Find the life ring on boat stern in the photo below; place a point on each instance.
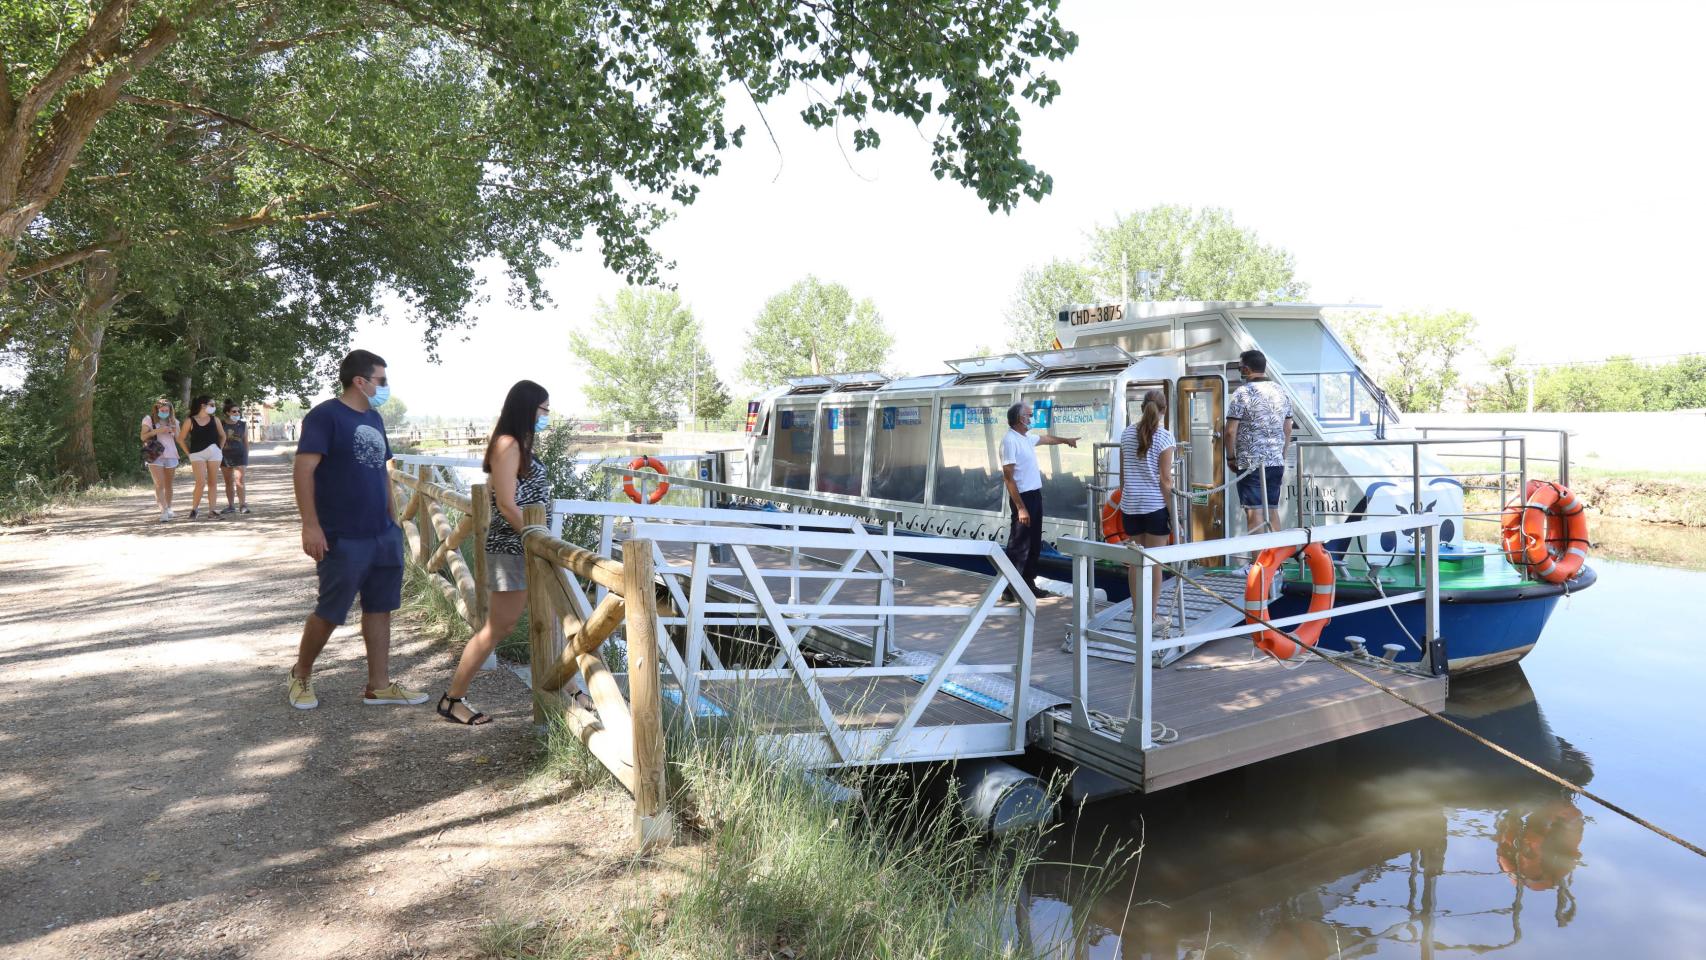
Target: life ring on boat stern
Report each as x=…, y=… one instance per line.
x=657, y=491
x=1258, y=586
x=1113, y=529
x=1546, y=531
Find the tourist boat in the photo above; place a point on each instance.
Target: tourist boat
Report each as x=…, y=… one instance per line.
x=928, y=447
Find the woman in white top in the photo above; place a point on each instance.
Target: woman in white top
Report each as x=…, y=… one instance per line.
x=1146, y=474
x=160, y=452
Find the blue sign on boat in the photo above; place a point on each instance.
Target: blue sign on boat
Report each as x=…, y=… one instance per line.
x=1042, y=414
x=834, y=418
x=957, y=417
x=888, y=418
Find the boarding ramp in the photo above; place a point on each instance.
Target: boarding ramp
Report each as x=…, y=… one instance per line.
x=791, y=575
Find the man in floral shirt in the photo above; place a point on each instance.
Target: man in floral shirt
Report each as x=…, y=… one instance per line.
x=1258, y=427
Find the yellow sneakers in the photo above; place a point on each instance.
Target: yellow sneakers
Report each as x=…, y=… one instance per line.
x=302, y=692
x=393, y=695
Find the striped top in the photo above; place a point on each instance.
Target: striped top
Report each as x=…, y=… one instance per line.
x=1140, y=477
x=533, y=488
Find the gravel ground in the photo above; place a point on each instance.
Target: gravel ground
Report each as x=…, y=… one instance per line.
x=159, y=798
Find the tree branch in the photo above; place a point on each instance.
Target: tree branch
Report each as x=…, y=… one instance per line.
x=59, y=261
x=260, y=47
x=353, y=171
x=6, y=104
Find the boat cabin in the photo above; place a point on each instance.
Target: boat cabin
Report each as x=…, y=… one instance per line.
x=929, y=446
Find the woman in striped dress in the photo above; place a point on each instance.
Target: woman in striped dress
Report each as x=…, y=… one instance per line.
x=516, y=480
x=1146, y=474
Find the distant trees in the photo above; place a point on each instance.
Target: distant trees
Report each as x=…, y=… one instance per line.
x=1618, y=384
x=1168, y=252
x=814, y=327
x=639, y=354
x=1412, y=355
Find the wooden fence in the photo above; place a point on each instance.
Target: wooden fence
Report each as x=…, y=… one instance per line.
x=628, y=740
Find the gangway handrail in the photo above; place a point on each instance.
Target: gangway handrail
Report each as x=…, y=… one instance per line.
x=818, y=504
x=1084, y=552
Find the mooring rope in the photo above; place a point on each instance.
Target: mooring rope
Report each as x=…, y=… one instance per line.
x=1451, y=724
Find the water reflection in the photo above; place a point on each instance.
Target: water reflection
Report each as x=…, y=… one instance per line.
x=1412, y=840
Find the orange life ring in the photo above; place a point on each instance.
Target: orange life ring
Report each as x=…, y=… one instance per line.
x=1258, y=584
x=657, y=491
x=1546, y=532
x=1113, y=529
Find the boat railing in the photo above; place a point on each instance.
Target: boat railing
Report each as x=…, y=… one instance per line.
x=1510, y=449
x=718, y=493
x=1085, y=553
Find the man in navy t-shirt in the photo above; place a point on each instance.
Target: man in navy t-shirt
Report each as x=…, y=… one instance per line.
x=349, y=528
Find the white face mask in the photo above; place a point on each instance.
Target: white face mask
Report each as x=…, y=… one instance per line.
x=208, y=410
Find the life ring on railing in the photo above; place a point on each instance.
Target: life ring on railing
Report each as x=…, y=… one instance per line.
x=1258, y=585
x=1113, y=528
x=1546, y=531
x=657, y=491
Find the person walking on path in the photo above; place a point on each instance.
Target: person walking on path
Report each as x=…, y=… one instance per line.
x=1145, y=476
x=1258, y=429
x=517, y=480
x=1024, y=482
x=235, y=459
x=160, y=452
x=349, y=528
x=205, y=438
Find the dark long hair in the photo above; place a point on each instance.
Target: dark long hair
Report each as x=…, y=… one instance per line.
x=1154, y=404
x=521, y=407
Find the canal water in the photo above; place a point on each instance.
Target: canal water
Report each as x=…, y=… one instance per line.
x=1416, y=842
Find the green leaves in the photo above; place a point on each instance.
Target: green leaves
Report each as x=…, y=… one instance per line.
x=640, y=355
x=815, y=327
x=1412, y=355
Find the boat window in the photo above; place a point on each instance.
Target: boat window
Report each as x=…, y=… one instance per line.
x=1298, y=344
x=900, y=451
x=791, y=452
x=1334, y=399
x=968, y=459
x=1082, y=414
x=841, y=449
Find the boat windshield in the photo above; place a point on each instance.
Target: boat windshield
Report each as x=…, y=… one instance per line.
x=1327, y=383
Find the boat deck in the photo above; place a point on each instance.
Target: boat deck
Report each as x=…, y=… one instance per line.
x=1228, y=708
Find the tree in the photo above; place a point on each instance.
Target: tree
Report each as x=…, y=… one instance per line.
x=711, y=396
x=639, y=355
x=395, y=413
x=814, y=327
x=1037, y=300
x=626, y=99
x=1505, y=390
x=1190, y=254
x=1413, y=355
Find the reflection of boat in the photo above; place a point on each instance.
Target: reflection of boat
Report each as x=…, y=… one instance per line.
x=1346, y=845
x=928, y=447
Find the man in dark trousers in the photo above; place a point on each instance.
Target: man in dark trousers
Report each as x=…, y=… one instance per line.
x=1024, y=482
x=349, y=527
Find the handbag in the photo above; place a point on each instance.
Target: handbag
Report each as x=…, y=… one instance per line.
x=152, y=450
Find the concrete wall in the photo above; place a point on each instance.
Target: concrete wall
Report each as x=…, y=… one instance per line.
x=1603, y=441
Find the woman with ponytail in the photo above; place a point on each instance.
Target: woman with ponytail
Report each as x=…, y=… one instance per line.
x=1146, y=476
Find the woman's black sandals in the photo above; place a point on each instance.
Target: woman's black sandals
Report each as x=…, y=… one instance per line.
x=467, y=715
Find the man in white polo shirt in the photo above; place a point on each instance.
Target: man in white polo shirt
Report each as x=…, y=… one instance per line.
x=1024, y=483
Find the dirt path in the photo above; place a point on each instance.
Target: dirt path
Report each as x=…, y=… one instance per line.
x=158, y=797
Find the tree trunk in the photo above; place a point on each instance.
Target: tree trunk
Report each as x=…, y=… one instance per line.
x=82, y=365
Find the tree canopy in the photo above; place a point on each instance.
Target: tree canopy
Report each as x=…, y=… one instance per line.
x=1185, y=253
x=175, y=172
x=814, y=327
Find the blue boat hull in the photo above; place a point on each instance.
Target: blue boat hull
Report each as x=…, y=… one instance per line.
x=1480, y=628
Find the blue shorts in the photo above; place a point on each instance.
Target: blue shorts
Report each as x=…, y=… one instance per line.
x=1250, y=487
x=1154, y=524
x=371, y=566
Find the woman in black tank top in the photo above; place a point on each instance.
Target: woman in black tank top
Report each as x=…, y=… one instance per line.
x=204, y=439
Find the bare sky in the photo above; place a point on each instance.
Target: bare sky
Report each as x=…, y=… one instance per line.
x=1537, y=164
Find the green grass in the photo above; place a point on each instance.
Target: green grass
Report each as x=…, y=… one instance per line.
x=787, y=871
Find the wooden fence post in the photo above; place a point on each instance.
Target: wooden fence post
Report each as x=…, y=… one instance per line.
x=652, y=824
x=539, y=619
x=481, y=501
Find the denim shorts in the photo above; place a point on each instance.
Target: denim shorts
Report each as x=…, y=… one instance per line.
x=1250, y=487
x=506, y=572
x=371, y=566
x=1154, y=523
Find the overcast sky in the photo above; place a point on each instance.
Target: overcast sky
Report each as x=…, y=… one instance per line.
x=1537, y=164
